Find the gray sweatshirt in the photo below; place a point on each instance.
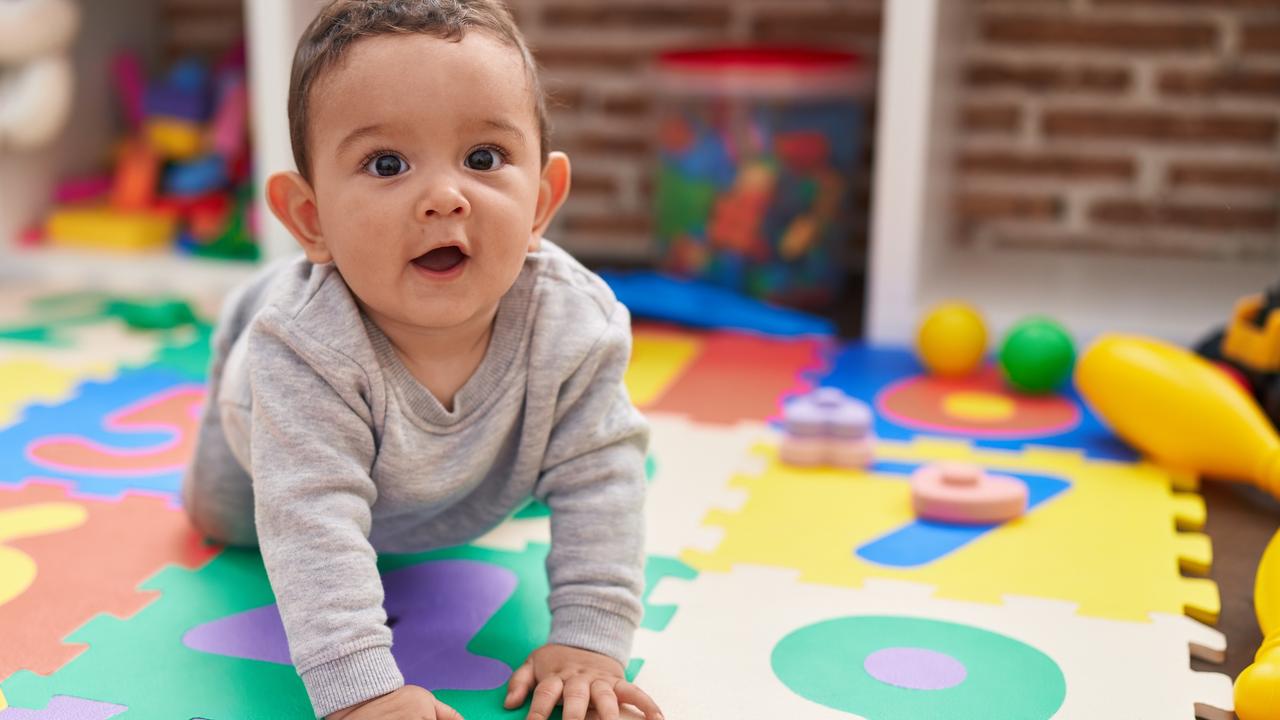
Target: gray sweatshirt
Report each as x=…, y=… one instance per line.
x=349, y=455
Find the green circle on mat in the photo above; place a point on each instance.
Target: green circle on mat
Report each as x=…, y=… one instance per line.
x=1005, y=678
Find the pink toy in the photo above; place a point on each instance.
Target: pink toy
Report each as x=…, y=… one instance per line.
x=827, y=427
x=127, y=70
x=965, y=494
x=81, y=189
x=31, y=237
x=227, y=131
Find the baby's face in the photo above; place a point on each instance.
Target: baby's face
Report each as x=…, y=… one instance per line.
x=426, y=170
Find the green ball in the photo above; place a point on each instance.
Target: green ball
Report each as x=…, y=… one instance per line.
x=1036, y=356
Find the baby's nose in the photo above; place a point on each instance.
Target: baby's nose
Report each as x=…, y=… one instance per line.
x=444, y=201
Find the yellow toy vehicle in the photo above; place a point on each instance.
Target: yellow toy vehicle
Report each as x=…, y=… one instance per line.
x=1250, y=344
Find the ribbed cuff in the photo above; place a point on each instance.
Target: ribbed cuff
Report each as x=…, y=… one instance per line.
x=590, y=628
x=351, y=679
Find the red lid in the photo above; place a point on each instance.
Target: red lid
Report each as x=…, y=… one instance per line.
x=758, y=58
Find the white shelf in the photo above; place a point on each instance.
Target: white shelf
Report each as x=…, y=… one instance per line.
x=914, y=263
x=1179, y=300
x=162, y=272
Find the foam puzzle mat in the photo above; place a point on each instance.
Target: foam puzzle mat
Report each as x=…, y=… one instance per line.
x=772, y=591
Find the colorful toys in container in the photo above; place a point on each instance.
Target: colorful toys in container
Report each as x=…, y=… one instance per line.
x=181, y=176
x=758, y=157
x=827, y=427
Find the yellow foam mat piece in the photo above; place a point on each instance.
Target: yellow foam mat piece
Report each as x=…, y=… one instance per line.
x=657, y=360
x=1107, y=543
x=32, y=375
x=1195, y=552
x=25, y=381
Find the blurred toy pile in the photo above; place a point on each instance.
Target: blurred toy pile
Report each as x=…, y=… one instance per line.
x=180, y=176
x=753, y=193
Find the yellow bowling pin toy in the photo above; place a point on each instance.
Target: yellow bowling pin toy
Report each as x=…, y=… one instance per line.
x=1258, y=687
x=1180, y=410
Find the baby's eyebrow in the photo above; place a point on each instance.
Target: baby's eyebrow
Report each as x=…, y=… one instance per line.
x=503, y=126
x=358, y=134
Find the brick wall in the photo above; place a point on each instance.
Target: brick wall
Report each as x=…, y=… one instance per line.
x=205, y=28
x=1131, y=126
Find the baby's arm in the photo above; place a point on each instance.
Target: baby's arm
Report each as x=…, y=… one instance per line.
x=312, y=450
x=593, y=479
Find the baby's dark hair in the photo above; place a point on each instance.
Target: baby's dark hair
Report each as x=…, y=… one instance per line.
x=343, y=22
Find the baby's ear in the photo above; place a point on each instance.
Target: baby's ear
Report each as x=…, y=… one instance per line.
x=293, y=202
x=552, y=191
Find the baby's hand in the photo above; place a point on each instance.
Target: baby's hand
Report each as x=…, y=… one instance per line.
x=407, y=703
x=582, y=677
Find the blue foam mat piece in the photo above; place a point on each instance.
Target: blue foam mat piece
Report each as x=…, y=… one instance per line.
x=697, y=304
x=921, y=542
x=83, y=416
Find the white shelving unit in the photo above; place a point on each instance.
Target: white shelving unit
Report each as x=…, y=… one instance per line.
x=27, y=179
x=913, y=263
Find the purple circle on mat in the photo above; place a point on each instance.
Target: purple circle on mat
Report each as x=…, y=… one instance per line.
x=915, y=668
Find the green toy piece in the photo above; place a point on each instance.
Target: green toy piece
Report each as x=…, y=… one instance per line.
x=56, y=312
x=1037, y=355
x=236, y=241
x=684, y=204
x=152, y=314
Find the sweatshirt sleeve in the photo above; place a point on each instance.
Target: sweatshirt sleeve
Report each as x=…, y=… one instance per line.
x=312, y=449
x=593, y=481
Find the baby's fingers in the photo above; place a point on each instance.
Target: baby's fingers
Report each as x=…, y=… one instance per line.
x=519, y=685
x=444, y=712
x=633, y=695
x=545, y=697
x=577, y=696
x=605, y=701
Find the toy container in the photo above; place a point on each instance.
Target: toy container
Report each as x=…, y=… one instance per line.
x=758, y=152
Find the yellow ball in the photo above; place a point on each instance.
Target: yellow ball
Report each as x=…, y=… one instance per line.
x=952, y=340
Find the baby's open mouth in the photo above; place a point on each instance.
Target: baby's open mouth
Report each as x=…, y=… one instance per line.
x=442, y=259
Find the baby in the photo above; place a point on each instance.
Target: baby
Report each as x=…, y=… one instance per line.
x=430, y=364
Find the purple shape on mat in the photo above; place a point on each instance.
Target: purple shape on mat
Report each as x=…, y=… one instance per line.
x=65, y=707
x=915, y=668
x=256, y=634
x=436, y=608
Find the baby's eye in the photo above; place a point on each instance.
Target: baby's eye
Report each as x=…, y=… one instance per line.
x=386, y=165
x=485, y=159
